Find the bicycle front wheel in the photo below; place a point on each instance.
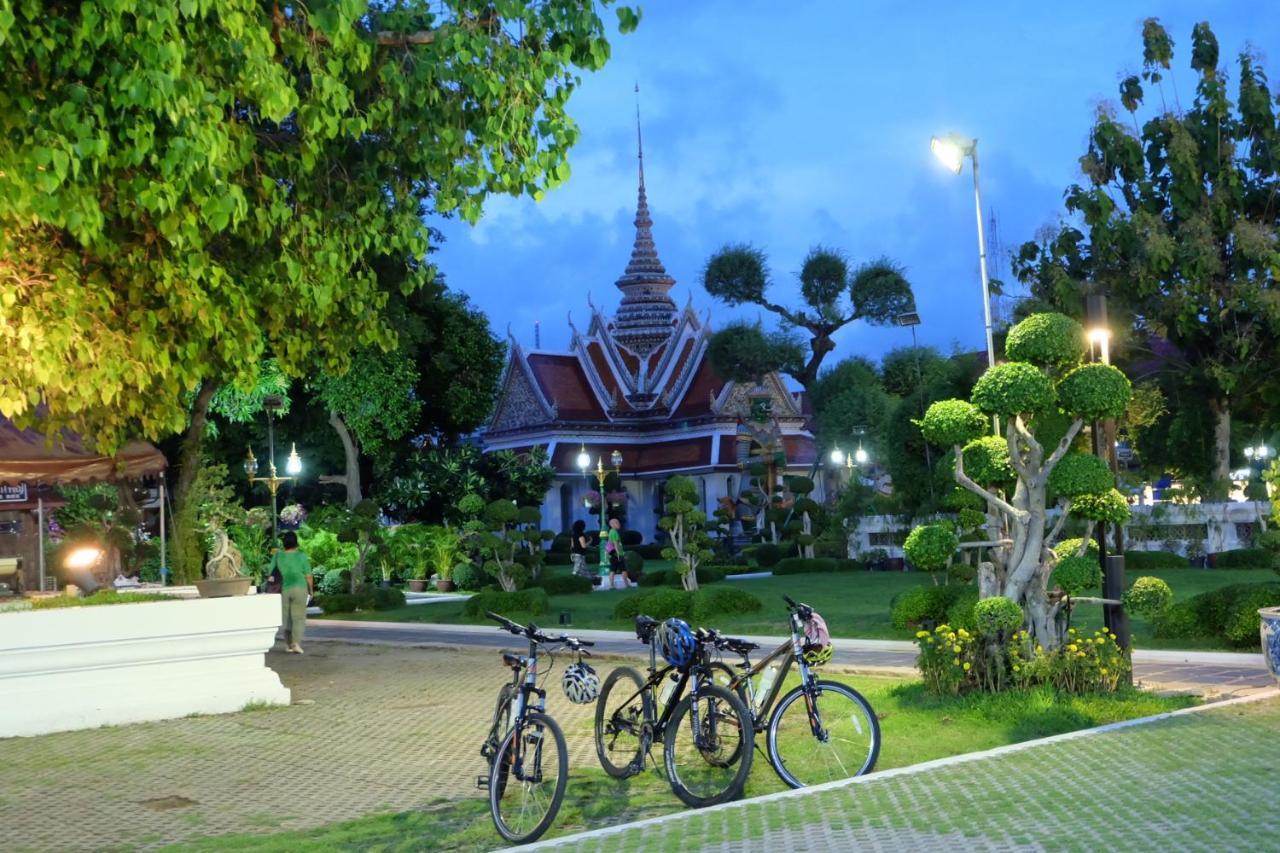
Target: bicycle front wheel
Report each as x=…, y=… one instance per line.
x=528, y=778
x=708, y=744
x=828, y=735
x=623, y=714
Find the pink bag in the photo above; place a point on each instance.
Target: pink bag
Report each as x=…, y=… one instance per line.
x=815, y=631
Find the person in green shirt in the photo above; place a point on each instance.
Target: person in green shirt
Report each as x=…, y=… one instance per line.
x=613, y=550
x=295, y=588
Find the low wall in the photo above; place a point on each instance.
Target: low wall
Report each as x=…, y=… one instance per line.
x=84, y=667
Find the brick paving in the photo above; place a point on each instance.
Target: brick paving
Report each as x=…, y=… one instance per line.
x=377, y=729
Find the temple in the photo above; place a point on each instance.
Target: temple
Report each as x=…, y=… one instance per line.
x=639, y=382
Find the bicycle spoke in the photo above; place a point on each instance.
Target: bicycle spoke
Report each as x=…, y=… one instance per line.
x=536, y=779
x=849, y=747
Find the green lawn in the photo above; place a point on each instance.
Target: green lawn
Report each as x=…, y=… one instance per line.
x=855, y=605
x=915, y=727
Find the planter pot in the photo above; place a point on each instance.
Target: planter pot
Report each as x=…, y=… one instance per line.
x=443, y=585
x=417, y=585
x=85, y=667
x=385, y=584
x=223, y=587
x=1270, y=633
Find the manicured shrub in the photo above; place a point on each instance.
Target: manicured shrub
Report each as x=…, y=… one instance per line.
x=706, y=574
x=804, y=566
x=723, y=601
x=651, y=551
x=635, y=563
x=1076, y=575
x=387, y=599
x=847, y=565
x=345, y=602
x=767, y=555
x=658, y=577
x=1013, y=388
x=1241, y=628
x=1048, y=340
x=659, y=603
x=632, y=538
x=951, y=422
x=468, y=577
x=334, y=582
x=565, y=584
x=926, y=605
x=1154, y=561
x=1178, y=622
x=997, y=615
x=986, y=461
x=1081, y=474
x=960, y=613
x=561, y=544
x=1148, y=597
x=1071, y=547
x=532, y=600
x=1244, y=558
x=1228, y=614
x=930, y=546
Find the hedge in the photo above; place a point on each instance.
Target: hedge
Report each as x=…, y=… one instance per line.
x=1148, y=561
x=767, y=555
x=694, y=607
x=532, y=600
x=370, y=598
x=1243, y=558
x=805, y=565
x=671, y=577
x=930, y=605
x=564, y=584
x=652, y=551
x=1229, y=614
x=632, y=538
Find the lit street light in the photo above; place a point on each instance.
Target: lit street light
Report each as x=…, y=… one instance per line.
x=292, y=465
x=584, y=464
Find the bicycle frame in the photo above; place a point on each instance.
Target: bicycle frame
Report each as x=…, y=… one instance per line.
x=791, y=652
x=656, y=678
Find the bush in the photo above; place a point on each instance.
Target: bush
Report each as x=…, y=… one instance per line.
x=1148, y=597
x=101, y=597
x=659, y=603
x=923, y=605
x=635, y=563
x=767, y=555
x=387, y=599
x=532, y=600
x=657, y=577
x=565, y=584
x=345, y=602
x=1244, y=558
x=1242, y=623
x=1154, y=561
x=1228, y=614
x=652, y=551
x=334, y=582
x=561, y=543
x=931, y=546
x=632, y=538
x=804, y=566
x=723, y=600
x=848, y=565
x=961, y=613
x=1076, y=575
x=1071, y=547
x=997, y=615
x=468, y=577
x=1178, y=622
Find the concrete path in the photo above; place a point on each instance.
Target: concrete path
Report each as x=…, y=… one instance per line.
x=1219, y=674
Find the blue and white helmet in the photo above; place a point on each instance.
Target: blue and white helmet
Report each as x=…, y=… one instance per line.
x=581, y=684
x=676, y=642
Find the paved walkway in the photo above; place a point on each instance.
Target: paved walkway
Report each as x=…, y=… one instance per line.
x=1211, y=674
x=1202, y=781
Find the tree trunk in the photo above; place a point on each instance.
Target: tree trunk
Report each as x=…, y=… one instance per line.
x=1221, y=408
x=351, y=476
x=187, y=549
x=690, y=579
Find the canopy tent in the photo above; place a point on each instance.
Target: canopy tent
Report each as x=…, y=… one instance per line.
x=27, y=457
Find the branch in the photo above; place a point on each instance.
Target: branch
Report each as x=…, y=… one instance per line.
x=1011, y=436
x=1061, y=449
x=963, y=479
x=1058, y=525
x=1087, y=599
x=992, y=543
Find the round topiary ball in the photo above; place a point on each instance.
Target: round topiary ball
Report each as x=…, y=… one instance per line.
x=1074, y=575
x=1071, y=547
x=986, y=461
x=1046, y=340
x=1081, y=474
x=1148, y=597
x=1094, y=391
x=950, y=422
x=1107, y=506
x=996, y=615
x=930, y=546
x=1015, y=388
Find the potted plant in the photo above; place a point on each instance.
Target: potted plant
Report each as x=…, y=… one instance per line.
x=418, y=577
x=442, y=553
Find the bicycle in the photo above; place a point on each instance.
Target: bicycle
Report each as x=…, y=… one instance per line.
x=705, y=759
x=525, y=744
x=833, y=734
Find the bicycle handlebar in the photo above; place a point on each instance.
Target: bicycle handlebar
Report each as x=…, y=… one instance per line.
x=804, y=611
x=532, y=632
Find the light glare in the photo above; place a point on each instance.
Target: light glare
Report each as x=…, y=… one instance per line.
x=948, y=152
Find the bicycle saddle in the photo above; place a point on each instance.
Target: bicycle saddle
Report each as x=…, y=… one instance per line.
x=738, y=645
x=645, y=626
x=511, y=659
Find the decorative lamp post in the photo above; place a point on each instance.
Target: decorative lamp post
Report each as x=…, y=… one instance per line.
x=951, y=150
x=292, y=465
x=584, y=463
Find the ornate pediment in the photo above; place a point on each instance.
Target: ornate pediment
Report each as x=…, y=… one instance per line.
x=520, y=404
x=756, y=402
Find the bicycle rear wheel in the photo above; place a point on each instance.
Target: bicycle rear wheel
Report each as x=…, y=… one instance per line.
x=837, y=738
x=528, y=778
x=623, y=713
x=708, y=744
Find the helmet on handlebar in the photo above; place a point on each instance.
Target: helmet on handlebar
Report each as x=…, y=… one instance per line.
x=676, y=642
x=817, y=641
x=581, y=684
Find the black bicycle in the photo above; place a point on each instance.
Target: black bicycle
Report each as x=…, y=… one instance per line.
x=707, y=735
x=821, y=730
x=525, y=749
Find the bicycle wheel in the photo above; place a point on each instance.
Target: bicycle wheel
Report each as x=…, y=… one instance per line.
x=501, y=723
x=702, y=738
x=837, y=739
x=623, y=715
x=527, y=781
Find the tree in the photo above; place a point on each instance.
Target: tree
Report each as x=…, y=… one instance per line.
x=507, y=538
x=190, y=186
x=833, y=297
x=685, y=526
x=1015, y=474
x=744, y=352
x=1177, y=221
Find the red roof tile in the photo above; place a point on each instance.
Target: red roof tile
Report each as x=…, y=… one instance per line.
x=697, y=400
x=564, y=383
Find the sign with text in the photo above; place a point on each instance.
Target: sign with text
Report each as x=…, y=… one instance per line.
x=13, y=493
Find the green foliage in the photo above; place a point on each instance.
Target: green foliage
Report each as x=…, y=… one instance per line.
x=907, y=369
x=532, y=601
x=723, y=600
x=1244, y=558
x=468, y=577
x=1015, y=388
x=737, y=274
x=334, y=582
x=804, y=565
x=986, y=461
x=997, y=616
x=685, y=526
x=101, y=597
x=1046, y=340
x=1148, y=597
x=370, y=598
x=506, y=539
x=744, y=352
x=1150, y=561
x=1076, y=575
x=930, y=547
x=1109, y=506
x=1081, y=474
x=1210, y=615
x=1095, y=391
x=960, y=613
x=952, y=422
x=374, y=397
x=662, y=603
x=1071, y=548
x=195, y=184
x=635, y=562
x=1241, y=628
x=767, y=555
x=436, y=477
x=925, y=605
x=325, y=551
x=565, y=584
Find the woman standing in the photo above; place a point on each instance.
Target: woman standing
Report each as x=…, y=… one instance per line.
x=613, y=548
x=578, y=549
x=295, y=588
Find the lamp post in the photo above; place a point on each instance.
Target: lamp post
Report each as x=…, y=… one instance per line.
x=584, y=463
x=292, y=466
x=951, y=150
x=1098, y=334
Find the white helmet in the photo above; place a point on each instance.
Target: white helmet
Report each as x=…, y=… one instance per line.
x=580, y=683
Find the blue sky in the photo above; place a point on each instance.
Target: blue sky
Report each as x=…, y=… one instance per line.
x=787, y=125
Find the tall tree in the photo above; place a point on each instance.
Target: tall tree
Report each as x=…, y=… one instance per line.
x=1178, y=221
x=833, y=297
x=191, y=185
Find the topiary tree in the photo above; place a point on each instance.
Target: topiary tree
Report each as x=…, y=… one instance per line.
x=803, y=513
x=1017, y=473
x=506, y=538
x=931, y=547
x=685, y=525
x=1148, y=597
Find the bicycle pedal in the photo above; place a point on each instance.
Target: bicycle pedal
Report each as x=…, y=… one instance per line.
x=482, y=781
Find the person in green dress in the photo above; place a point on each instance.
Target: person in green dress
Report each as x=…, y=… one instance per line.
x=295, y=588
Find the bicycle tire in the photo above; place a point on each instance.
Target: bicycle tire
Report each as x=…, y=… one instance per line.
x=840, y=768
x=626, y=719
x=501, y=724
x=718, y=708
x=534, y=722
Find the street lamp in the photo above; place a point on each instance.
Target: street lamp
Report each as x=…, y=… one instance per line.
x=292, y=465
x=584, y=463
x=951, y=151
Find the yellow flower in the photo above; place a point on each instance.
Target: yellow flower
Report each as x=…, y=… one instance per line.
x=1071, y=648
x=955, y=649
x=922, y=633
x=929, y=640
x=1017, y=669
x=957, y=660
x=964, y=633
x=1103, y=670
x=1079, y=654
x=967, y=665
x=1071, y=630
x=1113, y=636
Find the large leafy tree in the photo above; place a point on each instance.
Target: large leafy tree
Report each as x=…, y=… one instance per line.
x=1177, y=220
x=191, y=185
x=832, y=297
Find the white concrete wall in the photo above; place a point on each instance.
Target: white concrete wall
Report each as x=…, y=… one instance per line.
x=84, y=667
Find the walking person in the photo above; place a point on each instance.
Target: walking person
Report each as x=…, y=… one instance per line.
x=295, y=588
x=579, y=547
x=613, y=549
